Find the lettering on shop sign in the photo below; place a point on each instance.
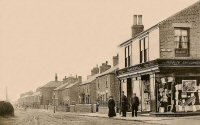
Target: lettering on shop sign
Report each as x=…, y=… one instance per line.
x=180, y=62
x=160, y=62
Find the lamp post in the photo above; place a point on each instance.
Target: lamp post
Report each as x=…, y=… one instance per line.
x=54, y=110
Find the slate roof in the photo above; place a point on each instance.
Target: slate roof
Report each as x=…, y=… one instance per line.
x=92, y=78
x=52, y=84
x=111, y=70
x=70, y=85
x=36, y=94
x=61, y=86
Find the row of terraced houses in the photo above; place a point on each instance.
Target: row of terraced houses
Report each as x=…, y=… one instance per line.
x=161, y=65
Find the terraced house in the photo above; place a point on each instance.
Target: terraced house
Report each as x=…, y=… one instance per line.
x=162, y=64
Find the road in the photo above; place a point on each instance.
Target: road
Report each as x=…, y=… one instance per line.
x=42, y=117
x=47, y=117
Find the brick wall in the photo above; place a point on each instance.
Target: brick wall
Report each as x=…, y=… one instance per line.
x=47, y=95
x=114, y=85
x=93, y=92
x=84, y=108
x=190, y=16
x=74, y=94
x=102, y=88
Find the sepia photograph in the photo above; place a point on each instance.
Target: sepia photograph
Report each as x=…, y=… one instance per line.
x=99, y=62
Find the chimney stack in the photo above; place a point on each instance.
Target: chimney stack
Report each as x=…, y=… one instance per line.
x=137, y=27
x=115, y=60
x=95, y=70
x=104, y=67
x=56, y=77
x=79, y=79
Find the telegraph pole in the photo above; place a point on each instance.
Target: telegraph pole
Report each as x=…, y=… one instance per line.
x=6, y=94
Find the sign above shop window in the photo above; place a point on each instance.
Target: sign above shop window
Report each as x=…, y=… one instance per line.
x=189, y=85
x=161, y=63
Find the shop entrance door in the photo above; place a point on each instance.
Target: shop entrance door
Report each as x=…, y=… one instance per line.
x=145, y=93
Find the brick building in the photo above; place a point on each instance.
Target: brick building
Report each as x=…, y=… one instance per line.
x=162, y=64
x=87, y=88
x=60, y=92
x=31, y=99
x=70, y=92
x=47, y=91
x=108, y=84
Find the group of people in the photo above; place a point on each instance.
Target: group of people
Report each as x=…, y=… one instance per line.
x=124, y=105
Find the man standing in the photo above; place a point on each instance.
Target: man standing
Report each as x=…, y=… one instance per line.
x=124, y=105
x=134, y=104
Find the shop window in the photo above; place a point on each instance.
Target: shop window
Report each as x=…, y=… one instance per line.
x=127, y=56
x=181, y=38
x=144, y=49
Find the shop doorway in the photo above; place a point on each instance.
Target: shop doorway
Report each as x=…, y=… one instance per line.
x=145, y=93
x=129, y=89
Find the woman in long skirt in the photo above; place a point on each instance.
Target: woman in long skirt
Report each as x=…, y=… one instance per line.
x=111, y=107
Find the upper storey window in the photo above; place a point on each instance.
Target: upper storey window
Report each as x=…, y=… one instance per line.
x=144, y=50
x=127, y=56
x=181, y=36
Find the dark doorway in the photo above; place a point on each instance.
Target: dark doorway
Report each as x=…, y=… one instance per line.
x=129, y=89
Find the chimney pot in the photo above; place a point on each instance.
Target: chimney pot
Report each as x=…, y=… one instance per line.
x=134, y=19
x=139, y=19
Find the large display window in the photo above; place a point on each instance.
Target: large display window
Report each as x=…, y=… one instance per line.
x=178, y=94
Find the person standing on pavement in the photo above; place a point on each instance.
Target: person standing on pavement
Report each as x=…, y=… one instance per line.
x=134, y=104
x=97, y=106
x=111, y=107
x=124, y=104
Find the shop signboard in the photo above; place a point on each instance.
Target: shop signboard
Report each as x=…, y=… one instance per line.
x=189, y=85
x=161, y=63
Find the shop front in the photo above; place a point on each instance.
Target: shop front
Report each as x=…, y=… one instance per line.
x=178, y=90
x=163, y=85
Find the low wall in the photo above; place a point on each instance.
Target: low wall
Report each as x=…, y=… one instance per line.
x=84, y=108
x=62, y=108
x=72, y=108
x=57, y=108
x=103, y=110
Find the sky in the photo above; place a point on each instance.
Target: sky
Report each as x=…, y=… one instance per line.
x=39, y=38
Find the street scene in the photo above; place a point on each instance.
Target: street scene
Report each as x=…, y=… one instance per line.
x=99, y=63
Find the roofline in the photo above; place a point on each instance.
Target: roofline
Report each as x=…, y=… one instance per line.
x=158, y=23
x=143, y=32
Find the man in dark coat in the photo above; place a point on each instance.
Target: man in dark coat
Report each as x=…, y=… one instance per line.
x=134, y=104
x=111, y=107
x=124, y=105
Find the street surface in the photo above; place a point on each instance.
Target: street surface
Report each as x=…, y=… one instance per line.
x=43, y=117
x=47, y=117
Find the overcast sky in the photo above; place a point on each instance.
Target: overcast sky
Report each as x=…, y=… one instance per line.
x=39, y=38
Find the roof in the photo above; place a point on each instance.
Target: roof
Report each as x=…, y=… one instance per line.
x=92, y=78
x=111, y=70
x=52, y=84
x=127, y=41
x=61, y=86
x=70, y=85
x=36, y=94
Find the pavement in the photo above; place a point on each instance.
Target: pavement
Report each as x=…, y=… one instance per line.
x=140, y=118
